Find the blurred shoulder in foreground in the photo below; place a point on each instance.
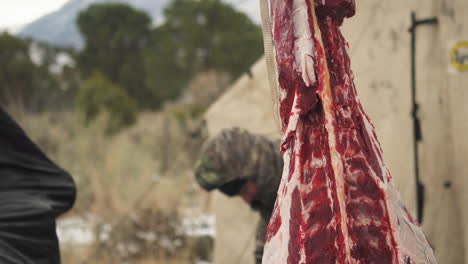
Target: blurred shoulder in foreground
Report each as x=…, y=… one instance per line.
x=34, y=191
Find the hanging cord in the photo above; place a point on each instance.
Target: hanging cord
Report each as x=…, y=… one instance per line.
x=270, y=61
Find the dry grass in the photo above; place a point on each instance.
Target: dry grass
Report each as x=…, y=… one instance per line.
x=144, y=170
x=130, y=179
x=111, y=171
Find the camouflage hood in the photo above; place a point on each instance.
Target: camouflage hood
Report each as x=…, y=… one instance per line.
x=236, y=154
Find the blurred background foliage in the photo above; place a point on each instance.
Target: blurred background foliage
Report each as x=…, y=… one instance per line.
x=29, y=83
x=155, y=63
x=99, y=95
x=123, y=115
x=115, y=36
x=152, y=64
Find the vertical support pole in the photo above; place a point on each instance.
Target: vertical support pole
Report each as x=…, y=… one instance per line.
x=417, y=133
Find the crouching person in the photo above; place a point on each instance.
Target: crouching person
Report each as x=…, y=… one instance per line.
x=238, y=163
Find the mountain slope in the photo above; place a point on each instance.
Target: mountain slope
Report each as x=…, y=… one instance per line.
x=59, y=28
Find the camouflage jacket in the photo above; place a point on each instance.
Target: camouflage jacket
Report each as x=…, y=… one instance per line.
x=236, y=154
x=260, y=239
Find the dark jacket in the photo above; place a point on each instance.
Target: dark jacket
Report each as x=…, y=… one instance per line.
x=33, y=193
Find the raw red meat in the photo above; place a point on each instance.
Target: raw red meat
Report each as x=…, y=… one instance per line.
x=336, y=202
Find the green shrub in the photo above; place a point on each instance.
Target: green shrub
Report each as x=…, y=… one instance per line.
x=185, y=113
x=98, y=96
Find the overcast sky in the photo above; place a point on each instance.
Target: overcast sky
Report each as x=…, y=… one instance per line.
x=15, y=13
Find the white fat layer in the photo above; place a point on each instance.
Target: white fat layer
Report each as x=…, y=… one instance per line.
x=283, y=94
x=304, y=49
x=408, y=236
x=293, y=119
x=319, y=162
x=336, y=159
x=302, y=187
x=281, y=239
x=381, y=184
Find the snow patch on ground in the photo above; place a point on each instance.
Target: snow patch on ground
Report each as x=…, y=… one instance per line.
x=81, y=230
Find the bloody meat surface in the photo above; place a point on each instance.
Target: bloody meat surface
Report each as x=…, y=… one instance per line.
x=336, y=202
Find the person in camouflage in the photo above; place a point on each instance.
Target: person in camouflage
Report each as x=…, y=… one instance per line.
x=239, y=163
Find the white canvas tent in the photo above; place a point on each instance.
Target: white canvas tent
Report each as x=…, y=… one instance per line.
x=380, y=55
